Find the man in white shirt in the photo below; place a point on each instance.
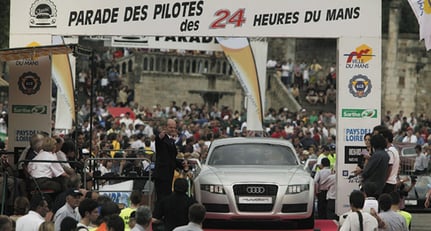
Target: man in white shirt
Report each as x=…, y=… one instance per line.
x=410, y=136
x=69, y=209
x=331, y=196
x=35, y=217
x=421, y=161
x=126, y=119
x=49, y=175
x=394, y=162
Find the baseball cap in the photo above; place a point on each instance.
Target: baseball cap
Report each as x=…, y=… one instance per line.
x=74, y=192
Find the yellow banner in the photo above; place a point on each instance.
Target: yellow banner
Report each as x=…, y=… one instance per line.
x=240, y=55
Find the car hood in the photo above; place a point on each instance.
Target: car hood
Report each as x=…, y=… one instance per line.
x=281, y=175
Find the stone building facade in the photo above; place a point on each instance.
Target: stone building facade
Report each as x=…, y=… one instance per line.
x=405, y=79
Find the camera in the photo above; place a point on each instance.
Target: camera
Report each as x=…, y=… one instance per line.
x=413, y=178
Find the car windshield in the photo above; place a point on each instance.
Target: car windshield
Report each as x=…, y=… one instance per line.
x=252, y=154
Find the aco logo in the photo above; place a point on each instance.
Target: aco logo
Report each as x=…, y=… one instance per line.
x=360, y=57
x=29, y=83
x=43, y=14
x=360, y=86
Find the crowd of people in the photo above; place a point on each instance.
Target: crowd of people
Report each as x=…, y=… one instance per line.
x=379, y=203
x=173, y=133
x=311, y=80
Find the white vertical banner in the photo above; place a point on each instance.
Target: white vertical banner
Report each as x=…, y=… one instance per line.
x=63, y=74
x=29, y=99
x=240, y=55
x=422, y=11
x=358, y=107
x=259, y=48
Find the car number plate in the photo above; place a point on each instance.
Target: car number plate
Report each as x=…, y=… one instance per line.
x=411, y=202
x=255, y=200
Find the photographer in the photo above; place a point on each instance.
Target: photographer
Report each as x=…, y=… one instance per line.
x=7, y=171
x=404, y=189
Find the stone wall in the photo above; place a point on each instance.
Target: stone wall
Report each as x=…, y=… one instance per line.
x=409, y=89
x=154, y=88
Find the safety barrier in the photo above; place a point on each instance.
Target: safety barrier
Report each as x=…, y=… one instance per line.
x=120, y=192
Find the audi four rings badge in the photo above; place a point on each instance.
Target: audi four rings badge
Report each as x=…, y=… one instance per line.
x=255, y=190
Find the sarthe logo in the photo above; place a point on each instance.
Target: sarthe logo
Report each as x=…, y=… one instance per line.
x=43, y=14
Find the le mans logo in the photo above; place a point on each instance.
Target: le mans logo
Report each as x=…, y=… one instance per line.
x=360, y=57
x=43, y=14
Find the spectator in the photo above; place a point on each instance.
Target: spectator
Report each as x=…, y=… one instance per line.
x=322, y=185
x=14, y=186
x=68, y=224
x=376, y=169
x=69, y=209
x=5, y=223
x=36, y=216
x=132, y=220
x=421, y=161
x=410, y=136
x=393, y=220
x=115, y=223
x=395, y=207
x=89, y=212
x=48, y=175
x=196, y=218
x=107, y=209
x=20, y=208
x=173, y=210
x=47, y=226
x=143, y=218
x=371, y=202
x=404, y=189
x=331, y=196
x=135, y=199
x=356, y=219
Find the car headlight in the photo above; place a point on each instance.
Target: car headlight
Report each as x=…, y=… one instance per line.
x=212, y=188
x=297, y=188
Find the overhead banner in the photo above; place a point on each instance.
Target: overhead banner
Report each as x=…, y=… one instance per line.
x=167, y=42
x=240, y=56
x=271, y=18
x=29, y=99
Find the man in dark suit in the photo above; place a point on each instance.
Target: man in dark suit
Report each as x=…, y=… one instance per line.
x=173, y=209
x=166, y=162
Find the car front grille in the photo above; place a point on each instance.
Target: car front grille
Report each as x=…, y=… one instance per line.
x=255, y=190
x=244, y=190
